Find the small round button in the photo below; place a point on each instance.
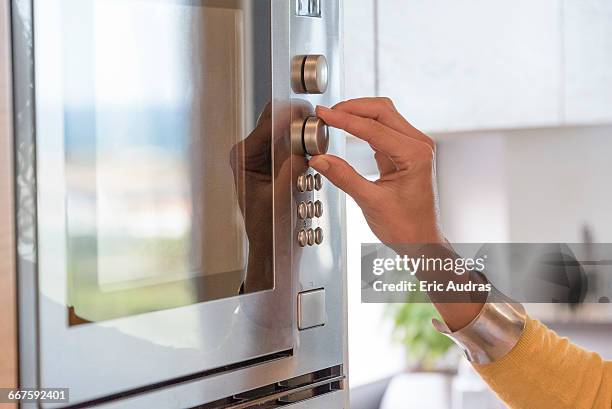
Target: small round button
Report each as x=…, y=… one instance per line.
x=302, y=238
x=302, y=210
x=318, y=208
x=310, y=210
x=310, y=236
x=309, y=183
x=318, y=235
x=318, y=182
x=301, y=183
x=315, y=136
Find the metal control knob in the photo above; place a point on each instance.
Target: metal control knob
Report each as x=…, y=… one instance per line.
x=310, y=210
x=301, y=183
x=315, y=136
x=309, y=183
x=302, y=238
x=309, y=74
x=302, y=210
x=318, y=208
x=310, y=237
x=318, y=182
x=318, y=235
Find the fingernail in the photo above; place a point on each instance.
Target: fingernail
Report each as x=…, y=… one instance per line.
x=322, y=108
x=319, y=164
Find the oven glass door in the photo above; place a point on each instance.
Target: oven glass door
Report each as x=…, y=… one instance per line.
x=156, y=190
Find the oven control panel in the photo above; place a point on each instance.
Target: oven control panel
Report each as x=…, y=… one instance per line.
x=310, y=137
x=318, y=219
x=309, y=209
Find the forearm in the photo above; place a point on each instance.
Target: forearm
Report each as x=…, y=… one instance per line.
x=457, y=309
x=546, y=371
x=458, y=315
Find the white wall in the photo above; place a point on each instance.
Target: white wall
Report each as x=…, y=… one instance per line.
x=466, y=64
x=532, y=185
x=457, y=65
x=538, y=185
x=372, y=353
x=587, y=61
x=472, y=181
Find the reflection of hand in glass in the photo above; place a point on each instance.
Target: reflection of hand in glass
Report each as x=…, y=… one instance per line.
x=252, y=164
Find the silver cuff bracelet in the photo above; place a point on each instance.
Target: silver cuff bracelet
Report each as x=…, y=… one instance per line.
x=493, y=333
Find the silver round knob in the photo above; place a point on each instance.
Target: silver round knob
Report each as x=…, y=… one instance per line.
x=309, y=183
x=315, y=74
x=302, y=210
x=309, y=74
x=302, y=238
x=310, y=210
x=310, y=237
x=315, y=136
x=301, y=183
x=318, y=235
x=318, y=182
x=318, y=208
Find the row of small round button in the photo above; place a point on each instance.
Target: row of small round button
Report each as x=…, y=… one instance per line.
x=310, y=237
x=310, y=210
x=309, y=182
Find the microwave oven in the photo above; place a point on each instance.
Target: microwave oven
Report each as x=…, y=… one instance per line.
x=172, y=246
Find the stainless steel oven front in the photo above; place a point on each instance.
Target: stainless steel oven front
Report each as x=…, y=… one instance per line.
x=174, y=248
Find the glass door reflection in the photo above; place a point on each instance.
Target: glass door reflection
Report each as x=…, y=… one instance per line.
x=168, y=202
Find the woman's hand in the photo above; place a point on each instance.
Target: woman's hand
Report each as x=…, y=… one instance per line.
x=401, y=207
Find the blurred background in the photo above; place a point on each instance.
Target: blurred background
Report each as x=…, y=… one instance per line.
x=518, y=96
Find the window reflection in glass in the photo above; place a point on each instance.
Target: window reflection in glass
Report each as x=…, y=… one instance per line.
x=159, y=97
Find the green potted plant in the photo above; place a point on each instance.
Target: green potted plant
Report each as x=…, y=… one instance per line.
x=432, y=358
x=425, y=346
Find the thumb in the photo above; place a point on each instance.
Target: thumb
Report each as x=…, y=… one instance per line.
x=344, y=176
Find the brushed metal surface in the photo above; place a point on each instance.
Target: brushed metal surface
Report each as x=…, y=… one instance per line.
x=323, y=266
x=8, y=278
x=333, y=400
x=25, y=193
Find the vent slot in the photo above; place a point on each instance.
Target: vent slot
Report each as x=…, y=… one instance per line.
x=199, y=375
x=285, y=392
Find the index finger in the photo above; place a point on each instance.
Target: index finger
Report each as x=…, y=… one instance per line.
x=382, y=110
x=379, y=136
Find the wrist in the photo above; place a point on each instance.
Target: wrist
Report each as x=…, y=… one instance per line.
x=492, y=334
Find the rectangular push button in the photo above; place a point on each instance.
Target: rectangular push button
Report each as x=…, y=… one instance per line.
x=311, y=309
x=308, y=8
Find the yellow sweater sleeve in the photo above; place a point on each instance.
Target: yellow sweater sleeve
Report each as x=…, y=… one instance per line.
x=546, y=371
